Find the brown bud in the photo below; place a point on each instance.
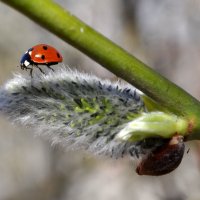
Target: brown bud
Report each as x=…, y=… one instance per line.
x=163, y=159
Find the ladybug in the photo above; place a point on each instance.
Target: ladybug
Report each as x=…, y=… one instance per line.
x=41, y=54
x=163, y=159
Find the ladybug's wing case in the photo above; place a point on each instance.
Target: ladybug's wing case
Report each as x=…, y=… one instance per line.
x=45, y=54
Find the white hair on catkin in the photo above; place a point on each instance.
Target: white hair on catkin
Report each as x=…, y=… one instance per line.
x=76, y=110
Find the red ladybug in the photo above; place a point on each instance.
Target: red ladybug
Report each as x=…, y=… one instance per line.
x=41, y=54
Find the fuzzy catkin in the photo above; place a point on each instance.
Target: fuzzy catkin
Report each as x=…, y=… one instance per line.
x=76, y=110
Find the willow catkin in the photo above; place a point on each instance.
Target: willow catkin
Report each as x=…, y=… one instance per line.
x=76, y=110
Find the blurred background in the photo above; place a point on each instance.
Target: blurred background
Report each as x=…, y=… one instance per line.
x=163, y=34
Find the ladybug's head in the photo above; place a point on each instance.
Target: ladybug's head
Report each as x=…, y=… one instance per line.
x=25, y=60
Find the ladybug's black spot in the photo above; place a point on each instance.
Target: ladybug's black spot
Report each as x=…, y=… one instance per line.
x=58, y=55
x=45, y=47
x=43, y=57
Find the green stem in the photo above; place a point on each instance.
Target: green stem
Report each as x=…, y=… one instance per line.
x=62, y=23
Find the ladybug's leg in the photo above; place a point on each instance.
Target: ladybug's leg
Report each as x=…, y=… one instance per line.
x=39, y=69
x=24, y=67
x=31, y=72
x=27, y=68
x=50, y=68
